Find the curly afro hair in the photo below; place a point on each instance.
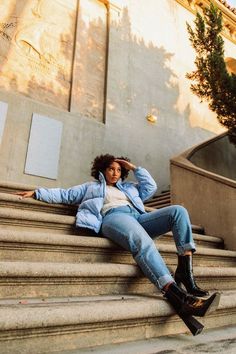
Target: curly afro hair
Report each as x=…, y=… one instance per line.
x=101, y=162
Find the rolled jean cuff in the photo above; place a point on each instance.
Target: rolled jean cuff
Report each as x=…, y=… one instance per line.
x=165, y=279
x=187, y=247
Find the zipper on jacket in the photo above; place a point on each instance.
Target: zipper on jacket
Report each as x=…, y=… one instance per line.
x=119, y=186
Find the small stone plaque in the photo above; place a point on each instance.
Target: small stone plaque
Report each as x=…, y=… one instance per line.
x=44, y=147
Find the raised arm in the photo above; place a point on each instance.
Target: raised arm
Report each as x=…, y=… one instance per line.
x=126, y=164
x=146, y=184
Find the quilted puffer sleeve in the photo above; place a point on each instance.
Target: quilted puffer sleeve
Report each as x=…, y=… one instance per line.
x=146, y=184
x=72, y=195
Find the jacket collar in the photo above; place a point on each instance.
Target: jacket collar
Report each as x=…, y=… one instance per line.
x=119, y=183
x=102, y=178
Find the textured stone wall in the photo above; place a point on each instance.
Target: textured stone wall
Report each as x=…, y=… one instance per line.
x=50, y=55
x=36, y=48
x=99, y=70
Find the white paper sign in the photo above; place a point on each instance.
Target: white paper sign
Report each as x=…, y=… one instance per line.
x=44, y=147
x=3, y=115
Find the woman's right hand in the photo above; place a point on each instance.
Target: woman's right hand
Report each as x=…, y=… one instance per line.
x=126, y=164
x=26, y=194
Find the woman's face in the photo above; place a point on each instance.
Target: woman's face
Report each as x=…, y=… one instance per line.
x=113, y=173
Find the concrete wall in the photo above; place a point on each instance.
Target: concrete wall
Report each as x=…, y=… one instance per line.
x=209, y=197
x=148, y=56
x=218, y=157
x=212, y=205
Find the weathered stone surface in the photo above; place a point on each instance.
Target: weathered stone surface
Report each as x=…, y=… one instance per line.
x=51, y=284
x=85, y=322
x=216, y=190
x=14, y=201
x=90, y=60
x=69, y=248
x=145, y=74
x=219, y=340
x=36, y=48
x=30, y=279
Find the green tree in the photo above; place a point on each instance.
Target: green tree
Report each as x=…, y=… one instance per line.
x=212, y=82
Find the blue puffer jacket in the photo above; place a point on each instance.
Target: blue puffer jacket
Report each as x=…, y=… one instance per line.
x=90, y=197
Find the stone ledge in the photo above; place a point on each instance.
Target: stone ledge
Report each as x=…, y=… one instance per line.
x=49, y=269
x=8, y=186
x=71, y=249
x=97, y=321
x=31, y=279
x=218, y=341
x=88, y=240
x=8, y=200
x=12, y=218
x=72, y=240
x=120, y=308
x=229, y=15
x=9, y=213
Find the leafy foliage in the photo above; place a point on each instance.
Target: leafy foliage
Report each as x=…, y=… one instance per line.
x=212, y=82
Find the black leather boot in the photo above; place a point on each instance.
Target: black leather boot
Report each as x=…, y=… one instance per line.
x=184, y=275
x=185, y=304
x=188, y=306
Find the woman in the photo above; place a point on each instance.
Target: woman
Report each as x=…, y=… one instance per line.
x=116, y=208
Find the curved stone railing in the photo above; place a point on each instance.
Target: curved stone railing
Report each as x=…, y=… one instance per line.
x=203, y=179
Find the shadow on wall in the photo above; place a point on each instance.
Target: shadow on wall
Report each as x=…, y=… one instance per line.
x=30, y=44
x=139, y=81
x=90, y=60
x=140, y=72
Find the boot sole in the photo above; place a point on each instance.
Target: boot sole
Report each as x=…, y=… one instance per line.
x=214, y=305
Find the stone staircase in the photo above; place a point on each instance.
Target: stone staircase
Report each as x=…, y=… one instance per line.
x=64, y=289
x=160, y=200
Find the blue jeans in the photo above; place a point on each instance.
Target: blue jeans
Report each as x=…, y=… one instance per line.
x=135, y=232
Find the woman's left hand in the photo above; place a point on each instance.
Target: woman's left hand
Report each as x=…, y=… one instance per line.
x=126, y=164
x=25, y=194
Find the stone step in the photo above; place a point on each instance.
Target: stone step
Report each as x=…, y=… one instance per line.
x=28, y=220
x=11, y=201
x=74, y=323
x=8, y=200
x=162, y=195
x=214, y=340
x=12, y=187
x=158, y=205
x=155, y=203
x=160, y=198
x=13, y=219
x=45, y=247
x=160, y=201
x=37, y=279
